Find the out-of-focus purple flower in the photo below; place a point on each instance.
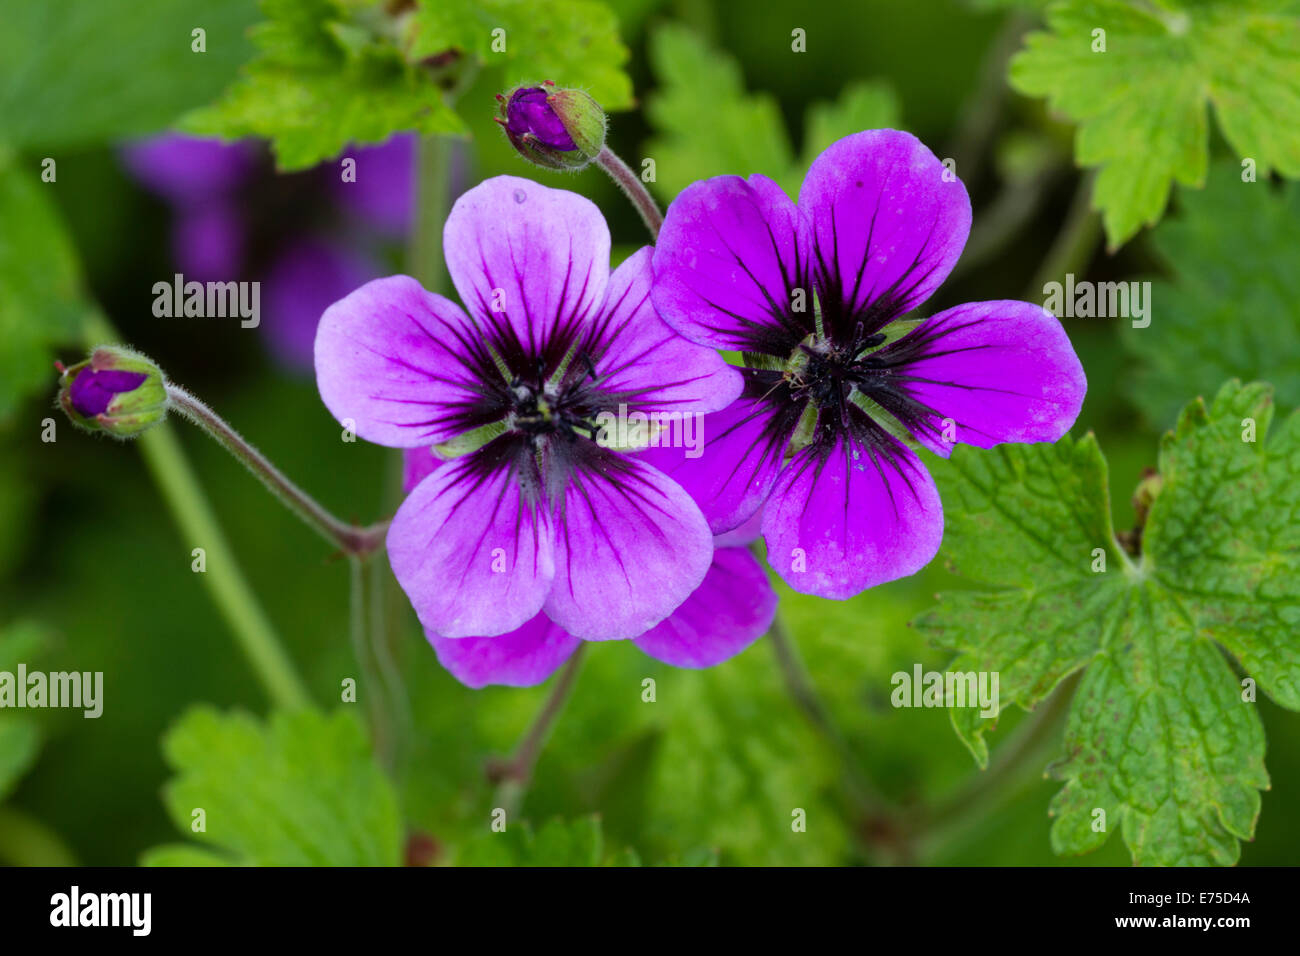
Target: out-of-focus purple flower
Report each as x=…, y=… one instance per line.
x=383, y=193
x=208, y=240
x=299, y=286
x=538, y=517
x=187, y=170
x=813, y=288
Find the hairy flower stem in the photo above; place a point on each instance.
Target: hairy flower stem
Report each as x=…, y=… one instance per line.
x=351, y=539
x=513, y=775
x=633, y=188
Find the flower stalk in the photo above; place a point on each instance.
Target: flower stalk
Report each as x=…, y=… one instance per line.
x=352, y=539
x=633, y=189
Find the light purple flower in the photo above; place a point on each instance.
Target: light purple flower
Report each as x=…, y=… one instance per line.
x=383, y=192
x=301, y=283
x=733, y=606
x=807, y=292
x=189, y=170
x=540, y=518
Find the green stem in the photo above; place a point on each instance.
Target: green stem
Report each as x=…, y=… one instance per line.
x=633, y=189
x=1074, y=245
x=371, y=687
x=351, y=539
x=230, y=590
x=514, y=775
x=432, y=192
x=1021, y=753
x=800, y=687
x=234, y=598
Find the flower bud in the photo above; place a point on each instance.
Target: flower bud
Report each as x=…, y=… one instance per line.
x=553, y=127
x=115, y=391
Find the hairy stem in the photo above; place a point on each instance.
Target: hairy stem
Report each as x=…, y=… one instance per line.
x=633, y=188
x=350, y=538
x=512, y=776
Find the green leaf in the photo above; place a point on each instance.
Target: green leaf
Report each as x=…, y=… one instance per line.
x=1141, y=105
x=1161, y=735
x=571, y=42
x=327, y=73
x=726, y=131
x=78, y=73
x=40, y=299
x=302, y=790
x=1224, y=314
x=558, y=843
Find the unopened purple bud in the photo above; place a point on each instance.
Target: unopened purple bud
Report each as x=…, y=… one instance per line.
x=553, y=127
x=116, y=390
x=528, y=112
x=92, y=390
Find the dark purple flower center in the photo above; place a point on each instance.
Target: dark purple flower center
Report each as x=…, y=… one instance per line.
x=92, y=390
x=528, y=112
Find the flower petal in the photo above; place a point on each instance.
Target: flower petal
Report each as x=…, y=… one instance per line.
x=523, y=657
x=630, y=546
x=739, y=453
x=390, y=360
x=731, y=609
x=998, y=371
x=846, y=518
x=527, y=258
x=417, y=465
x=474, y=558
x=887, y=228
x=646, y=363
x=729, y=257
x=743, y=534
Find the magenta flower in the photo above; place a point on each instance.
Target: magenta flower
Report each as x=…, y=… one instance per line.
x=808, y=292
x=732, y=608
x=535, y=516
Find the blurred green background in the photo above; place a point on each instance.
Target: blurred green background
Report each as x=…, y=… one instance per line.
x=91, y=558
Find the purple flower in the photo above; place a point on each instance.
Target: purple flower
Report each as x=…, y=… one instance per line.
x=186, y=169
x=383, y=193
x=200, y=178
x=731, y=609
x=809, y=292
x=302, y=283
x=536, y=516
